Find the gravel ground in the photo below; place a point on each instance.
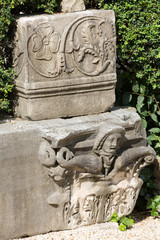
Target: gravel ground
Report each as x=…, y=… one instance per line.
x=145, y=228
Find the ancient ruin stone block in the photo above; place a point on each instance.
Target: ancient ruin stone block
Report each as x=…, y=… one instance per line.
x=65, y=64
x=61, y=174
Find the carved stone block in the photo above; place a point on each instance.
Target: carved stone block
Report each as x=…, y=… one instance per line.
x=65, y=64
x=61, y=174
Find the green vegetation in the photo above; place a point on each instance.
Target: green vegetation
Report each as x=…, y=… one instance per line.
x=138, y=60
x=154, y=205
x=6, y=87
x=124, y=223
x=148, y=197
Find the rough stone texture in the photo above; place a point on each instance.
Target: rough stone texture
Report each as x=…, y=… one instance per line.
x=66, y=64
x=59, y=174
x=72, y=6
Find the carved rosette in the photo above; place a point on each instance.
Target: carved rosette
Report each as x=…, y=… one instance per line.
x=87, y=44
x=43, y=47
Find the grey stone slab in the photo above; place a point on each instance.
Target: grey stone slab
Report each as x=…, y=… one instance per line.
x=66, y=64
x=23, y=186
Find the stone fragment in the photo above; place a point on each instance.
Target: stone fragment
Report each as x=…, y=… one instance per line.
x=61, y=174
x=66, y=64
x=72, y=6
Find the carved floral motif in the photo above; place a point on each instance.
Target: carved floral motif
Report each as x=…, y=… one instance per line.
x=43, y=50
x=87, y=44
x=46, y=42
x=95, y=45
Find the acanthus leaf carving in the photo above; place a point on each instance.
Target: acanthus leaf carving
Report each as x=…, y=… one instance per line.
x=92, y=49
x=88, y=43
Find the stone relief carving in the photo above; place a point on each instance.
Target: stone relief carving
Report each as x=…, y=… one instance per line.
x=88, y=44
x=68, y=60
x=91, y=40
x=46, y=42
x=98, y=182
x=43, y=46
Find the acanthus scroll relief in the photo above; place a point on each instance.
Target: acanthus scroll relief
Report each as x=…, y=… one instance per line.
x=92, y=44
x=87, y=44
x=98, y=182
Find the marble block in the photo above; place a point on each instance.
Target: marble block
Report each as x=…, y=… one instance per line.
x=65, y=64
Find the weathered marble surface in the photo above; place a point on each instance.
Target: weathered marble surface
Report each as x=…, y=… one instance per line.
x=66, y=64
x=58, y=174
x=72, y=5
